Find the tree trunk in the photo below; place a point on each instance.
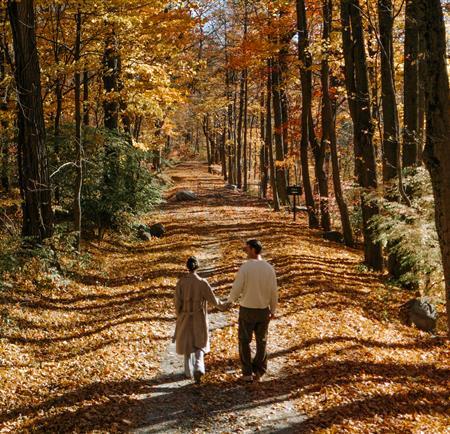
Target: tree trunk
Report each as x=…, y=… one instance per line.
x=111, y=65
x=391, y=151
x=278, y=123
x=263, y=166
x=436, y=152
x=421, y=100
x=59, y=99
x=85, y=97
x=269, y=138
x=306, y=84
x=329, y=128
x=78, y=139
x=223, y=155
x=365, y=164
x=4, y=139
x=245, y=147
x=208, y=141
x=32, y=153
x=239, y=130
x=411, y=86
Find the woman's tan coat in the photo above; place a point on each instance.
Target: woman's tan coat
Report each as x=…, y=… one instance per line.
x=192, y=294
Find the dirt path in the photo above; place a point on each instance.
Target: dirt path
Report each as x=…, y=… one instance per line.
x=92, y=353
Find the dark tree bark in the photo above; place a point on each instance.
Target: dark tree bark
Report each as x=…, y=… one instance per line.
x=281, y=178
x=4, y=139
x=411, y=87
x=329, y=128
x=208, y=141
x=391, y=150
x=245, y=141
x=111, y=72
x=223, y=155
x=86, y=97
x=78, y=138
x=245, y=112
x=263, y=154
x=306, y=84
x=32, y=153
x=269, y=139
x=239, y=130
x=358, y=88
x=391, y=147
x=229, y=118
x=59, y=84
x=437, y=147
x=421, y=99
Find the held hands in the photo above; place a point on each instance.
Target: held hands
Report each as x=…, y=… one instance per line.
x=225, y=306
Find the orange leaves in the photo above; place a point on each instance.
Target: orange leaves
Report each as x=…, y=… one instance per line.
x=86, y=357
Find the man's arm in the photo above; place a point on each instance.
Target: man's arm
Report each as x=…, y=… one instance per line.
x=238, y=286
x=274, y=295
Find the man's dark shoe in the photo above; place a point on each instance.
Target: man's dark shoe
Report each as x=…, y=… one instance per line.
x=257, y=376
x=198, y=377
x=247, y=378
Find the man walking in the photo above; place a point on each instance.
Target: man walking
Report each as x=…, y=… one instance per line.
x=256, y=285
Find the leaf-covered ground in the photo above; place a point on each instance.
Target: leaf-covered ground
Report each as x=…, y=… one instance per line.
x=84, y=355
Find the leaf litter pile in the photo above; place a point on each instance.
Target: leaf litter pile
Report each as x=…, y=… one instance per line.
x=83, y=355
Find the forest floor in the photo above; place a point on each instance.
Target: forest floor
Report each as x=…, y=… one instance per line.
x=93, y=352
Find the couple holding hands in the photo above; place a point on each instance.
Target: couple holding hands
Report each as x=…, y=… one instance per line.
x=255, y=286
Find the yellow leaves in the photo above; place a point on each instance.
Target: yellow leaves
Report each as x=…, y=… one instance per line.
x=80, y=359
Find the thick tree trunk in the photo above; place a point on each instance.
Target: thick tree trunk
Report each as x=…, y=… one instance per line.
x=365, y=164
x=329, y=129
x=391, y=148
x=32, y=153
x=411, y=87
x=306, y=84
x=437, y=146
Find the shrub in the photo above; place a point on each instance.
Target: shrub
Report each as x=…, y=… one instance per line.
x=117, y=178
x=410, y=233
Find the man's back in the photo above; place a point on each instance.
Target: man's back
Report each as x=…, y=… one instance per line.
x=256, y=283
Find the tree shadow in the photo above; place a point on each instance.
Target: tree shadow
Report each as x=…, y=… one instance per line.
x=152, y=405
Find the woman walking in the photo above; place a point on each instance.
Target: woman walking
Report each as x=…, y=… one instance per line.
x=192, y=295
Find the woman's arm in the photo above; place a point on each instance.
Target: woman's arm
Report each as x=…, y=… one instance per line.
x=209, y=296
x=178, y=299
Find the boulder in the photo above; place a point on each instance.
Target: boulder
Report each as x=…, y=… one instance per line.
x=144, y=235
x=334, y=236
x=421, y=313
x=185, y=195
x=157, y=230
